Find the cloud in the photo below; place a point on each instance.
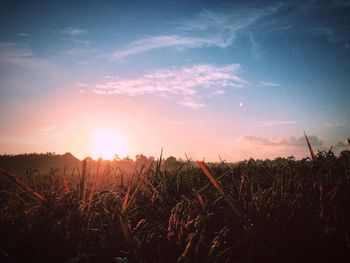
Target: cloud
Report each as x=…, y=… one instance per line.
x=204, y=30
x=216, y=93
x=255, y=50
x=76, y=37
x=269, y=84
x=272, y=123
x=253, y=21
x=285, y=140
x=329, y=125
x=73, y=31
x=24, y=72
x=339, y=126
x=192, y=104
x=221, y=29
x=315, y=18
x=327, y=32
x=83, y=63
x=181, y=83
x=150, y=43
x=24, y=35
x=20, y=54
x=341, y=145
x=83, y=52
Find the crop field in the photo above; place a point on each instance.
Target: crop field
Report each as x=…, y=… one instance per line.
x=284, y=210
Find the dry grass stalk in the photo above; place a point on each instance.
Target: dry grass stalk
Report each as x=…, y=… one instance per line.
x=83, y=180
x=201, y=201
x=126, y=198
x=140, y=182
x=31, y=192
x=16, y=195
x=123, y=217
x=119, y=171
x=91, y=197
x=122, y=180
x=159, y=162
x=64, y=180
x=155, y=190
x=211, y=178
x=127, y=236
x=228, y=200
x=310, y=148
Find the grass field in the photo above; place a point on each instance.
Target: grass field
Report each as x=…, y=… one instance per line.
x=284, y=210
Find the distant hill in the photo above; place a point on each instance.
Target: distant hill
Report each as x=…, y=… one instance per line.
x=18, y=164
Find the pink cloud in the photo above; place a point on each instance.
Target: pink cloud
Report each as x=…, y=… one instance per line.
x=284, y=140
x=271, y=123
x=182, y=83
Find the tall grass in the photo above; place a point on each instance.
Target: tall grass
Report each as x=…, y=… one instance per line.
x=252, y=211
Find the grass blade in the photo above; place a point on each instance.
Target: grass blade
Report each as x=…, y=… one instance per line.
x=31, y=192
x=83, y=180
x=64, y=181
x=94, y=184
x=126, y=198
x=228, y=200
x=310, y=148
x=140, y=182
x=159, y=162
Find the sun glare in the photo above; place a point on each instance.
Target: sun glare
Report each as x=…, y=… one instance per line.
x=107, y=144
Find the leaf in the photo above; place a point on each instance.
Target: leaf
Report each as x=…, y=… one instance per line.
x=310, y=148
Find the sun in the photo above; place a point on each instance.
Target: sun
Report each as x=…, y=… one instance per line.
x=107, y=144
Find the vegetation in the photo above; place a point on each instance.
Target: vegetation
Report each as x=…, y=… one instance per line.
x=285, y=210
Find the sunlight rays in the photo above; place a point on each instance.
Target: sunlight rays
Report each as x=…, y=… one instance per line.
x=107, y=144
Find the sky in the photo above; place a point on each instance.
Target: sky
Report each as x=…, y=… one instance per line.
x=238, y=79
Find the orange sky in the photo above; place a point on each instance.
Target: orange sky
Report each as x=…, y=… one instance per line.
x=238, y=79
x=69, y=122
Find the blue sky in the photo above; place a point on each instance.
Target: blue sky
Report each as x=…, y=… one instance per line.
x=203, y=77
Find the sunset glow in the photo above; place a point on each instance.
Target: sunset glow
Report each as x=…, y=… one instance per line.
x=108, y=144
x=238, y=79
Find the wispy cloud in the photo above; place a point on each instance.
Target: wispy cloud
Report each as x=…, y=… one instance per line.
x=24, y=35
x=180, y=83
x=255, y=49
x=221, y=29
x=20, y=54
x=73, y=42
x=285, y=140
x=342, y=145
x=77, y=52
x=193, y=104
x=77, y=37
x=150, y=43
x=269, y=84
x=216, y=93
x=282, y=145
x=73, y=31
x=339, y=126
x=205, y=29
x=271, y=123
x=315, y=17
x=82, y=63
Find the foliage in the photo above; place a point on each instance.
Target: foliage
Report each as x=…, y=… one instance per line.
x=285, y=210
